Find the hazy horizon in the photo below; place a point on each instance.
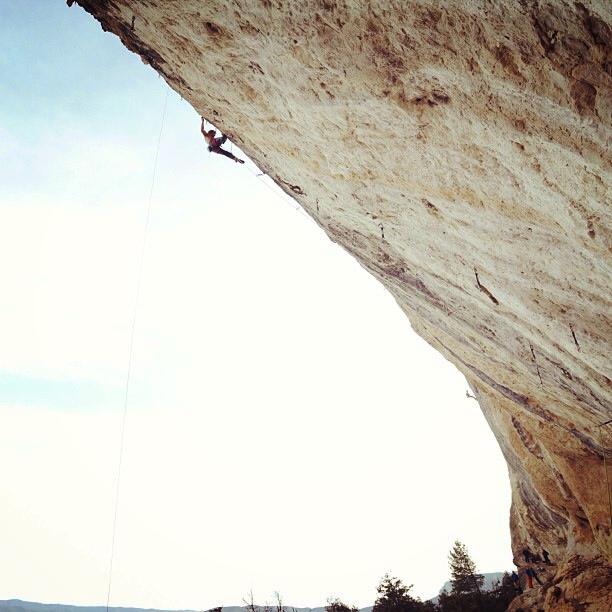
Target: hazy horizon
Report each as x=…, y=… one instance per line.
x=490, y=578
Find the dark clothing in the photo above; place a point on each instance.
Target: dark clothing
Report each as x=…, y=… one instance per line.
x=531, y=573
x=516, y=582
x=527, y=555
x=216, y=148
x=545, y=555
x=216, y=144
x=221, y=151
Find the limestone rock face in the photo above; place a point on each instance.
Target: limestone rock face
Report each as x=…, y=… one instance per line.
x=459, y=150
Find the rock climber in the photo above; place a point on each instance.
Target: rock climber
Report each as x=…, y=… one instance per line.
x=546, y=557
x=529, y=578
x=531, y=573
x=527, y=555
x=516, y=582
x=214, y=144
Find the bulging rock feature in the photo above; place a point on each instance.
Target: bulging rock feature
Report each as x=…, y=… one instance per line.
x=459, y=149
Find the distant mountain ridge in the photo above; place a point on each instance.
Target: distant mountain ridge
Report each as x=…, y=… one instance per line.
x=17, y=605
x=489, y=582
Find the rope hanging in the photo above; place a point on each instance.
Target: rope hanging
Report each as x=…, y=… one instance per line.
x=131, y=351
x=258, y=176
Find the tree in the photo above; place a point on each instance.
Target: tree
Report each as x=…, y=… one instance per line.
x=278, y=606
x=394, y=596
x=251, y=606
x=464, y=578
x=499, y=597
x=335, y=605
x=466, y=585
x=249, y=603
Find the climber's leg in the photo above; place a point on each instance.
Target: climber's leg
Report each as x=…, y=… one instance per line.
x=221, y=151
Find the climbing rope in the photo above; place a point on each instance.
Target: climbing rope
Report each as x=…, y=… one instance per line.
x=258, y=175
x=131, y=351
x=296, y=206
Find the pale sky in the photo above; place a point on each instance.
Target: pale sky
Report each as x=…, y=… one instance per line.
x=286, y=430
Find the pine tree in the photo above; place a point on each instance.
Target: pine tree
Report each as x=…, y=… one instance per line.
x=466, y=585
x=464, y=578
x=394, y=596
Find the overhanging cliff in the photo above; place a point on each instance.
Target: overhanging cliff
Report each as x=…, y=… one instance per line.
x=459, y=150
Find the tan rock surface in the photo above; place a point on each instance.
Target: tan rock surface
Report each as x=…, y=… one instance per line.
x=460, y=151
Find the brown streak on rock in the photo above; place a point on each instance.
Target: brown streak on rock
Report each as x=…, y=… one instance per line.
x=485, y=290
